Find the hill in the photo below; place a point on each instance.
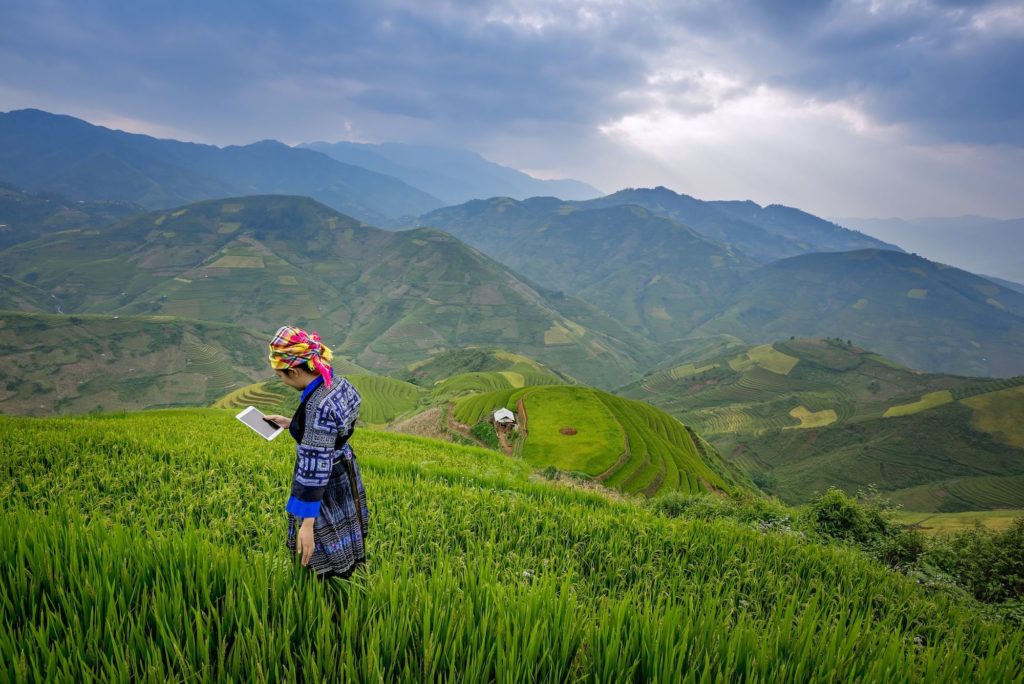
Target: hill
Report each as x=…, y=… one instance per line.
x=452, y=175
x=922, y=314
x=383, y=299
x=181, y=560
x=652, y=274
x=25, y=216
x=84, y=363
x=762, y=233
x=40, y=151
x=81, y=363
x=802, y=415
x=622, y=444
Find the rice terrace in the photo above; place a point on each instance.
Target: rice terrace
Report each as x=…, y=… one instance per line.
x=512, y=342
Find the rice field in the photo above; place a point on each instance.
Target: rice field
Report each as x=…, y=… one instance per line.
x=627, y=445
x=1001, y=414
x=384, y=398
x=767, y=357
x=813, y=419
x=150, y=547
x=934, y=523
x=929, y=400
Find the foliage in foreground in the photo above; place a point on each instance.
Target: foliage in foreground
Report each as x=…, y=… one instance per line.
x=150, y=547
x=988, y=564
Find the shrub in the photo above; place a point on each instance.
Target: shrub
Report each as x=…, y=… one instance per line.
x=486, y=434
x=987, y=563
x=865, y=522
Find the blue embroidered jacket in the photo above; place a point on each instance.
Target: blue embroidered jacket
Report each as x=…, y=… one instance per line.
x=324, y=420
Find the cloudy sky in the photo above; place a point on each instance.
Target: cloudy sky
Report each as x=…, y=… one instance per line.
x=846, y=108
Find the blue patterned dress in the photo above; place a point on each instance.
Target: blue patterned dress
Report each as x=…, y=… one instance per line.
x=326, y=484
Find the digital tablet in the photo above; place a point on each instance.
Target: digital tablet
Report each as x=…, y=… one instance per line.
x=252, y=417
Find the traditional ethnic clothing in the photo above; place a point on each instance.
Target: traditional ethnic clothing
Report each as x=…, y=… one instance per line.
x=326, y=483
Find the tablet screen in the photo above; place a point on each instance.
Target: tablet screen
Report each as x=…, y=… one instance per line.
x=254, y=419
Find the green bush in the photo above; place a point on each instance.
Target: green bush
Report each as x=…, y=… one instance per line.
x=987, y=563
x=865, y=522
x=763, y=513
x=486, y=434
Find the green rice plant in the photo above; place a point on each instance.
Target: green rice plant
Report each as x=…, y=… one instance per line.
x=151, y=547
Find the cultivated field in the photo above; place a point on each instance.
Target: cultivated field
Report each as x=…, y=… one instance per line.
x=151, y=547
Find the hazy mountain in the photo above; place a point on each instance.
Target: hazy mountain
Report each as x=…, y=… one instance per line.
x=47, y=152
x=652, y=274
x=24, y=216
x=802, y=415
x=983, y=245
x=454, y=175
x=925, y=315
x=383, y=298
x=762, y=233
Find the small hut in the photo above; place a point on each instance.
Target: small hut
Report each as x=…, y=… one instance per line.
x=503, y=419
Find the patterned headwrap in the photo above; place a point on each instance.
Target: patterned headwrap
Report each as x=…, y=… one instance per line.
x=293, y=346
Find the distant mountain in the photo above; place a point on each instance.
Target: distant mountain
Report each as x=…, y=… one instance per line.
x=922, y=314
x=453, y=175
x=652, y=274
x=383, y=298
x=762, y=233
x=47, y=152
x=802, y=415
x=24, y=216
x=988, y=246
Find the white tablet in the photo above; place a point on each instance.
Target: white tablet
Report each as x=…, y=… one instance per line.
x=252, y=417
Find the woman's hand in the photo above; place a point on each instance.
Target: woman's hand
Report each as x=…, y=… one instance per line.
x=279, y=421
x=304, y=540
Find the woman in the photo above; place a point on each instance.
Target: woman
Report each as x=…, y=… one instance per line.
x=327, y=512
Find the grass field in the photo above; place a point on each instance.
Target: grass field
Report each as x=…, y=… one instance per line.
x=170, y=566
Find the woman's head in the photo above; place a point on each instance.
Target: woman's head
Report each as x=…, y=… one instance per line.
x=293, y=350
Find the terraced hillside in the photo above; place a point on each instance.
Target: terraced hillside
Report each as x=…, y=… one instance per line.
x=386, y=399
x=171, y=566
x=624, y=444
x=466, y=371
x=85, y=362
x=923, y=314
x=384, y=299
x=802, y=415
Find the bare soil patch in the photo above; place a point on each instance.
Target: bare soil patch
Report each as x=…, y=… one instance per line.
x=568, y=430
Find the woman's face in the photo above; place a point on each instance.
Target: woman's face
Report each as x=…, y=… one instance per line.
x=293, y=377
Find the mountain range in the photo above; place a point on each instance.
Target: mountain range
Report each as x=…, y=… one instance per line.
x=450, y=174
x=387, y=297
x=668, y=281
x=44, y=152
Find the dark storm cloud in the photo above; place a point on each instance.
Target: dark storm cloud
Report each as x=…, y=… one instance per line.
x=231, y=68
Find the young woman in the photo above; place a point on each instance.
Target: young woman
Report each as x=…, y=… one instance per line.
x=327, y=512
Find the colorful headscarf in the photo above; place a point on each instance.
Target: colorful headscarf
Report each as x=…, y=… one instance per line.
x=293, y=346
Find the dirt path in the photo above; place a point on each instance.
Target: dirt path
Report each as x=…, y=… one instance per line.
x=426, y=424
x=622, y=460
x=503, y=440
